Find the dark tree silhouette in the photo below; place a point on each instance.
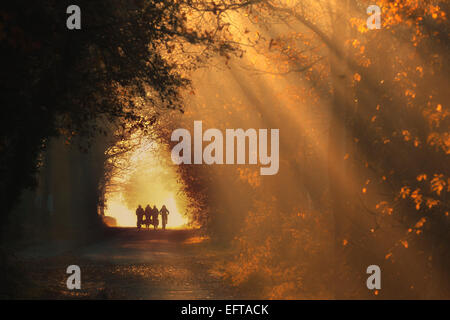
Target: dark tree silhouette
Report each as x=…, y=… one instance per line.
x=72, y=83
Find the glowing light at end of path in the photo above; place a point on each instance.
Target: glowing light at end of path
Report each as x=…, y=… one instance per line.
x=127, y=218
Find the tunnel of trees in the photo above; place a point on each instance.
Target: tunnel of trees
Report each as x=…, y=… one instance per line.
x=363, y=116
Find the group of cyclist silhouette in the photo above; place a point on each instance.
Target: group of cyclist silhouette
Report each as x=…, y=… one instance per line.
x=150, y=216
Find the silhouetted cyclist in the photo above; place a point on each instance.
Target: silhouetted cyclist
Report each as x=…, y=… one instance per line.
x=140, y=215
x=155, y=220
x=164, y=215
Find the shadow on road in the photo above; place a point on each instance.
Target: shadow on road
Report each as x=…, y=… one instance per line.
x=131, y=264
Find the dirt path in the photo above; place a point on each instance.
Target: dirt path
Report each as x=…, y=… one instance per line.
x=172, y=264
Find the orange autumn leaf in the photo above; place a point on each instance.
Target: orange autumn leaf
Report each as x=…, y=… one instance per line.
x=421, y=177
x=420, y=223
x=404, y=243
